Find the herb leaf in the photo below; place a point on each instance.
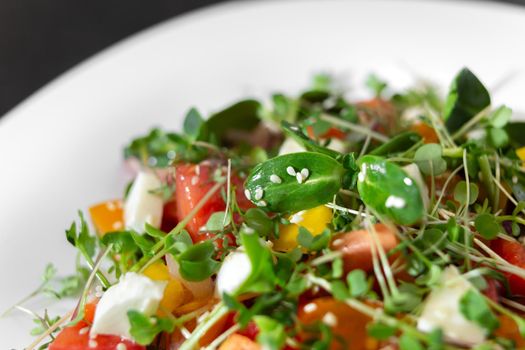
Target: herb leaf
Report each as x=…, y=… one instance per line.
x=197, y=263
x=388, y=190
x=272, y=335
x=243, y=115
x=193, y=123
x=429, y=159
x=474, y=307
x=466, y=98
x=323, y=181
x=310, y=145
x=144, y=329
x=487, y=226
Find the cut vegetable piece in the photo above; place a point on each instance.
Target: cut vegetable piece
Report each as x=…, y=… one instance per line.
x=356, y=246
x=107, y=216
x=239, y=342
x=441, y=309
x=348, y=325
x=315, y=220
x=132, y=292
x=143, y=205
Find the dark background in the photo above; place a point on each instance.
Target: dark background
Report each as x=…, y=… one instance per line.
x=39, y=39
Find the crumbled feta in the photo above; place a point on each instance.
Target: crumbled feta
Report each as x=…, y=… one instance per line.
x=441, y=310
x=133, y=292
x=234, y=271
x=142, y=206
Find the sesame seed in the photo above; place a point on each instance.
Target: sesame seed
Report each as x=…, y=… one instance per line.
x=294, y=128
x=329, y=319
x=117, y=225
x=337, y=242
x=297, y=217
x=83, y=331
x=275, y=179
x=92, y=343
x=247, y=194
x=291, y=171
x=395, y=202
x=198, y=170
x=514, y=179
x=310, y=307
x=407, y=181
x=110, y=206
x=121, y=346
x=261, y=203
x=305, y=172
x=259, y=193
x=194, y=180
x=299, y=178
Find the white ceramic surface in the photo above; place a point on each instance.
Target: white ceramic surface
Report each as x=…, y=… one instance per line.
x=61, y=149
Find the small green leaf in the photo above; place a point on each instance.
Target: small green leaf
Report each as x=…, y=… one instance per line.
x=193, y=123
x=357, y=283
x=380, y=331
x=408, y=342
x=144, y=244
x=295, y=132
x=154, y=232
x=388, y=190
x=178, y=243
x=339, y=290
x=122, y=242
x=431, y=239
x=497, y=138
x=197, y=262
x=144, y=329
x=83, y=240
x=516, y=130
x=49, y=272
x=375, y=84
x=241, y=116
x=476, y=309
x=466, y=98
x=337, y=268
x=399, y=143
x=305, y=237
x=217, y=221
x=258, y=220
x=500, y=117
x=271, y=335
x=429, y=159
x=460, y=192
x=262, y=277
x=487, y=226
x=323, y=180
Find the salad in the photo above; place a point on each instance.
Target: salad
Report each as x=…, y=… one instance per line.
x=309, y=222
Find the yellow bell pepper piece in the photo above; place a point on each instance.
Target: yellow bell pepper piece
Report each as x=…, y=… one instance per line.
x=174, y=292
x=107, y=216
x=521, y=153
x=314, y=220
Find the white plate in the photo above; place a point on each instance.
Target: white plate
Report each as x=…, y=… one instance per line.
x=61, y=149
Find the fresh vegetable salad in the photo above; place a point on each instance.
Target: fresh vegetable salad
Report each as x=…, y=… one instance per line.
x=309, y=222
